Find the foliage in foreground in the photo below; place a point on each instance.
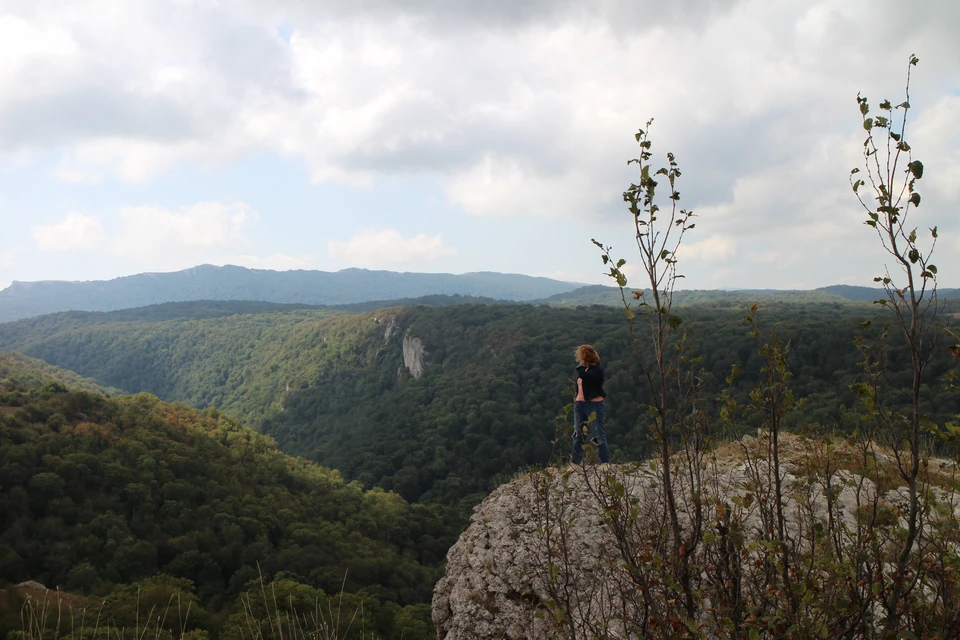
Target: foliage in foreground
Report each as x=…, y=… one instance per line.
x=165, y=608
x=798, y=539
x=788, y=558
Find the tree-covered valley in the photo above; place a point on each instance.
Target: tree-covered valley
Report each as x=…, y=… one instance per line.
x=111, y=495
x=99, y=494
x=335, y=387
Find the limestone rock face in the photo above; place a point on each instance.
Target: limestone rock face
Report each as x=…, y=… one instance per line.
x=544, y=536
x=32, y=584
x=495, y=583
x=391, y=323
x=413, y=355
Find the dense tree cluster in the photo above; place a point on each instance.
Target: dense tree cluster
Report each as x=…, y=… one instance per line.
x=334, y=388
x=99, y=492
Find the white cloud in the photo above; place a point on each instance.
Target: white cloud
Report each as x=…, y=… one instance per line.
x=26, y=43
x=8, y=256
x=76, y=232
x=937, y=140
x=776, y=259
x=504, y=187
x=711, y=250
x=151, y=231
x=72, y=174
x=156, y=238
x=513, y=109
x=387, y=247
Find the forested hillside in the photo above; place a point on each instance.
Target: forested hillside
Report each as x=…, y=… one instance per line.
x=496, y=378
x=98, y=492
x=19, y=370
x=207, y=282
x=869, y=294
x=599, y=294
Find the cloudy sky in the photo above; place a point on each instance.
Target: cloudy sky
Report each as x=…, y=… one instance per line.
x=456, y=136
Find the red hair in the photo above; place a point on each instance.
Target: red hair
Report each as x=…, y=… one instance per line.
x=587, y=355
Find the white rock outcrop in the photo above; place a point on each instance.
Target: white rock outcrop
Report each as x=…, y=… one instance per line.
x=544, y=535
x=413, y=355
x=391, y=323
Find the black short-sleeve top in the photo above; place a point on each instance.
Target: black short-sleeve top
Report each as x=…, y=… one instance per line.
x=592, y=378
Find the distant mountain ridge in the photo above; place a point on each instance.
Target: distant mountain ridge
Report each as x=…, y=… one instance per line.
x=838, y=293
x=208, y=282
x=869, y=294
x=354, y=290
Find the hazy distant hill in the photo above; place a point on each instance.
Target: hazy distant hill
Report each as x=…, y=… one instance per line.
x=599, y=294
x=207, y=282
x=869, y=294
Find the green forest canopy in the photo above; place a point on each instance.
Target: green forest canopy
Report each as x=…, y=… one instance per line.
x=335, y=388
x=99, y=492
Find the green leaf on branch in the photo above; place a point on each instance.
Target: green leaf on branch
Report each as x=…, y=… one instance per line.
x=916, y=168
x=734, y=373
x=915, y=199
x=914, y=256
x=868, y=124
x=674, y=321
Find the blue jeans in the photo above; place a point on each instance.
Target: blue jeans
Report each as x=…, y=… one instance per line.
x=597, y=435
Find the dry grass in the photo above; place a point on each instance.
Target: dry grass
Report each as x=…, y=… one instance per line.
x=54, y=615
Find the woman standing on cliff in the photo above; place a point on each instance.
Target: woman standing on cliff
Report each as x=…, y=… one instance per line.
x=588, y=403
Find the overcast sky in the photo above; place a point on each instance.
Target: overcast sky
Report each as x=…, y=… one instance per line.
x=449, y=136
